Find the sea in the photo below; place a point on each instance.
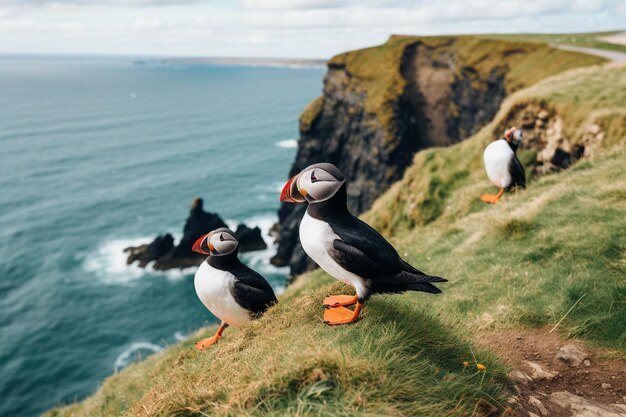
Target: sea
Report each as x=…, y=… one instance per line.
x=101, y=153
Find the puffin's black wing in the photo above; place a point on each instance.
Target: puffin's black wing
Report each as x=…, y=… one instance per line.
x=518, y=175
x=251, y=290
x=369, y=249
x=356, y=261
x=379, y=279
x=363, y=251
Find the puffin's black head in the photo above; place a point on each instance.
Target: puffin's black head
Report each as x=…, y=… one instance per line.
x=314, y=184
x=219, y=242
x=514, y=136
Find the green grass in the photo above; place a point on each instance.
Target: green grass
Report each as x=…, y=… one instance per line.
x=521, y=263
x=527, y=260
x=400, y=359
x=444, y=182
x=310, y=113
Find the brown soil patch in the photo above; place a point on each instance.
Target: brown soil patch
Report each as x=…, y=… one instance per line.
x=517, y=347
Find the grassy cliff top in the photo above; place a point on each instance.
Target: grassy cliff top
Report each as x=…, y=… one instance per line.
x=378, y=69
x=523, y=262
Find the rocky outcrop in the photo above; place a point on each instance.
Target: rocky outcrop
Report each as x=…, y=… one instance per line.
x=571, y=355
x=553, y=149
x=250, y=239
x=381, y=105
x=144, y=254
x=582, y=407
x=442, y=100
x=166, y=255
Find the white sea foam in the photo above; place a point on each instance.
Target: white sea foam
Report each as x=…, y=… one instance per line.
x=126, y=357
x=288, y=143
x=179, y=336
x=108, y=262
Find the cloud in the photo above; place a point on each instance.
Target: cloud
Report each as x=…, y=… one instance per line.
x=294, y=4
x=86, y=3
x=142, y=22
x=277, y=28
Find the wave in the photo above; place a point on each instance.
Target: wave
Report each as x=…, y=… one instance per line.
x=287, y=143
x=180, y=336
x=108, y=262
x=126, y=357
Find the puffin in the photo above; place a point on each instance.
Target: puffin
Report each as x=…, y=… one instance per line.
x=228, y=288
x=502, y=166
x=347, y=248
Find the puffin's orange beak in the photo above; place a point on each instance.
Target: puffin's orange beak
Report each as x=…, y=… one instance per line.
x=290, y=193
x=201, y=247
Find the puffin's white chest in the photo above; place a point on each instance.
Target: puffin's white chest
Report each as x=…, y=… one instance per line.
x=213, y=289
x=315, y=237
x=497, y=158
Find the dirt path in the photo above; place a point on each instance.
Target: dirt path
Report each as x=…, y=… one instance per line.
x=619, y=38
x=581, y=383
x=611, y=55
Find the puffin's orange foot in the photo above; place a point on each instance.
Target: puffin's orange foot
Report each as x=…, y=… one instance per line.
x=341, y=315
x=205, y=343
x=340, y=300
x=490, y=198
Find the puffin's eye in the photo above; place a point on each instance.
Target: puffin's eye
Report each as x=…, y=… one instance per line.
x=221, y=237
x=313, y=177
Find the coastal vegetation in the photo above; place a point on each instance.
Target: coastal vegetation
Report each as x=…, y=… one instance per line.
x=379, y=69
x=553, y=256
x=383, y=104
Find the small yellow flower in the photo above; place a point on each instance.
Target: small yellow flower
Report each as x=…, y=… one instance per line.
x=465, y=363
x=481, y=366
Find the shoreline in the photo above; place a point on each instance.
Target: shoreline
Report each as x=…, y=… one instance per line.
x=251, y=62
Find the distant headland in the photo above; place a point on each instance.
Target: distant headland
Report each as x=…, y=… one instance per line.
x=257, y=62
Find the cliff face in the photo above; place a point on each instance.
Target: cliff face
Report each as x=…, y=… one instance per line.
x=381, y=105
x=343, y=133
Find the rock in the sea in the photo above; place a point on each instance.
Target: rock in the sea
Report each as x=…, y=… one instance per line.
x=167, y=256
x=152, y=251
x=571, y=354
x=197, y=224
x=581, y=407
x=250, y=239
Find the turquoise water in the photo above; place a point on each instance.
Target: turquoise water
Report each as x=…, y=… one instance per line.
x=97, y=154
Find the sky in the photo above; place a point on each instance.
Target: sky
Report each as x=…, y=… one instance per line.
x=277, y=28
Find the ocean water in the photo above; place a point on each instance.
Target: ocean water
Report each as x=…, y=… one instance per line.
x=97, y=154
